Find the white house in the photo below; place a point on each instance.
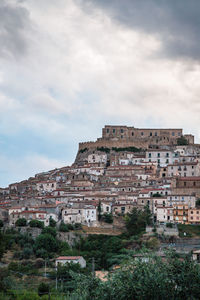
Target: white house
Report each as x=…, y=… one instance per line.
x=164, y=214
x=80, y=213
x=189, y=200
x=62, y=260
x=161, y=157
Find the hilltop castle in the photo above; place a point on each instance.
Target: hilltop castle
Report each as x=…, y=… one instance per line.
x=124, y=136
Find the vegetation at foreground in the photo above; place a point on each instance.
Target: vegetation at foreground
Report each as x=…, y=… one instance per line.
x=150, y=280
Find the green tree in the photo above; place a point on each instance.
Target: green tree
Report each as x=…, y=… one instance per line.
x=21, y=222
x=36, y=223
x=52, y=222
x=99, y=211
x=107, y=217
x=63, y=227
x=137, y=220
x=2, y=244
x=50, y=230
x=47, y=242
x=198, y=202
x=157, y=195
x=182, y=141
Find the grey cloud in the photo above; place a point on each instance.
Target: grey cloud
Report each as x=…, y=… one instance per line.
x=14, y=20
x=176, y=23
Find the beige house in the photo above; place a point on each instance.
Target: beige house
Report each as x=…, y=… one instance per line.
x=187, y=169
x=194, y=216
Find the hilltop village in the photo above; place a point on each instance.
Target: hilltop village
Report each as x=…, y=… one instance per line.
x=126, y=168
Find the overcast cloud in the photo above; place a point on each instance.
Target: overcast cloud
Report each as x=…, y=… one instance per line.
x=68, y=67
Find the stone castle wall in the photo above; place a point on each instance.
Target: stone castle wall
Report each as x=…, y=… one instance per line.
x=113, y=143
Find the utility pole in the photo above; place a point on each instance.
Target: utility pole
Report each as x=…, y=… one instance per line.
x=56, y=282
x=93, y=267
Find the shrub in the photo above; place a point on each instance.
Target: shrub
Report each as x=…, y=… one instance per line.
x=27, y=252
x=108, y=218
x=153, y=243
x=70, y=226
x=63, y=227
x=21, y=222
x=36, y=223
x=103, y=149
x=52, y=222
x=47, y=242
x=83, y=150
x=169, y=225
x=198, y=202
x=49, y=230
x=129, y=149
x=77, y=226
x=43, y=289
x=42, y=253
x=39, y=263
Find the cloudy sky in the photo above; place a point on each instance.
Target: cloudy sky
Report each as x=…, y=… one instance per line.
x=68, y=67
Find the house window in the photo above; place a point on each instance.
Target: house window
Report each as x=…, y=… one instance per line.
x=132, y=133
x=167, y=160
x=150, y=134
x=114, y=130
x=156, y=134
x=122, y=209
x=184, y=183
x=122, y=130
x=107, y=130
x=142, y=133
x=158, y=161
x=167, y=154
x=149, y=154
x=158, y=154
x=173, y=134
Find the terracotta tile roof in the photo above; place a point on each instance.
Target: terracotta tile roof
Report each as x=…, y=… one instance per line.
x=68, y=257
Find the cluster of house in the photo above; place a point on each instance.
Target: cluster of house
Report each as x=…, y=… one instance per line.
x=166, y=179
